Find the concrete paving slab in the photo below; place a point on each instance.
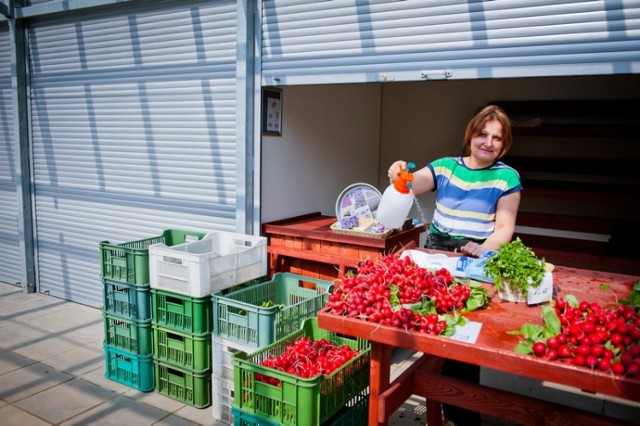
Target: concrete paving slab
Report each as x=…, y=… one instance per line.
x=10, y=361
x=77, y=361
x=175, y=421
x=98, y=378
x=18, y=336
x=13, y=416
x=27, y=306
x=202, y=416
x=155, y=399
x=118, y=411
x=78, y=396
x=47, y=346
x=26, y=381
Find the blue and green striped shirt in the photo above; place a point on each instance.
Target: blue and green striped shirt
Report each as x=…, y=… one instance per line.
x=466, y=199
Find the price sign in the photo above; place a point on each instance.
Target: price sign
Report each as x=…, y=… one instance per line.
x=467, y=333
x=543, y=293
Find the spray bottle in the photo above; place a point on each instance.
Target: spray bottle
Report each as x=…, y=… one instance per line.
x=397, y=200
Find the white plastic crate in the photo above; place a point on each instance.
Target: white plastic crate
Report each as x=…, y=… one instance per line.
x=222, y=399
x=222, y=376
x=198, y=268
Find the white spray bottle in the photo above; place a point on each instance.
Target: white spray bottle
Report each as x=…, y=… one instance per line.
x=397, y=200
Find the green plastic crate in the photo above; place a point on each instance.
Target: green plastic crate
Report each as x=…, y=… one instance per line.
x=355, y=413
x=182, y=385
x=241, y=316
x=299, y=401
x=182, y=313
x=126, y=300
x=132, y=336
x=129, y=262
x=129, y=369
x=182, y=350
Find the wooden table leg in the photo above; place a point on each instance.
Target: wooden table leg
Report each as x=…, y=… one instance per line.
x=379, y=377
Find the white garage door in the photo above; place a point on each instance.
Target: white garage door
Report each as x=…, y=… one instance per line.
x=10, y=261
x=133, y=115
x=376, y=41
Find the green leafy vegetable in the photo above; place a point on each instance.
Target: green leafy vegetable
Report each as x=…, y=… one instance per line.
x=517, y=265
x=533, y=333
x=634, y=297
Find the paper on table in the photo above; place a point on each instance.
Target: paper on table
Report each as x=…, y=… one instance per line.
x=460, y=267
x=467, y=333
x=543, y=293
x=432, y=261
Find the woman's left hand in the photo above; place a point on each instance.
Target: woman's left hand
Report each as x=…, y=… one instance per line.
x=472, y=249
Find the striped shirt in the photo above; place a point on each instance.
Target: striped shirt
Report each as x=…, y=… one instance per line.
x=466, y=199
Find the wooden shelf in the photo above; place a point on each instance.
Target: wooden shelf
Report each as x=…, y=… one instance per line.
x=610, y=118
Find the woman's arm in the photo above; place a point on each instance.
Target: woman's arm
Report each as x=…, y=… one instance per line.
x=422, y=179
x=506, y=212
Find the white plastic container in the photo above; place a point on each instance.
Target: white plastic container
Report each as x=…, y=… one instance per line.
x=198, y=268
x=396, y=201
x=394, y=208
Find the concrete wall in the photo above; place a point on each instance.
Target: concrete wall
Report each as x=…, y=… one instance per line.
x=330, y=140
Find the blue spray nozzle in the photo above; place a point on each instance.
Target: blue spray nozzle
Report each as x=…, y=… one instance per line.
x=411, y=166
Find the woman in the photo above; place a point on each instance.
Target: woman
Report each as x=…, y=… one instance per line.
x=477, y=196
x=477, y=199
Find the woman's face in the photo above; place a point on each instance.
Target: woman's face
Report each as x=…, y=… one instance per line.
x=486, y=146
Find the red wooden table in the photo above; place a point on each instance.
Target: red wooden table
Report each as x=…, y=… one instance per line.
x=493, y=349
x=306, y=245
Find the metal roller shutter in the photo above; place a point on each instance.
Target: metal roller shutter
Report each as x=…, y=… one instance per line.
x=133, y=128
x=10, y=261
x=352, y=41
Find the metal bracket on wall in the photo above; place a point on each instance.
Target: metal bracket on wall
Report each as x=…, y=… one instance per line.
x=436, y=74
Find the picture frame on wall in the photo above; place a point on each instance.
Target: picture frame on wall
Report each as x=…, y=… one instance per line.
x=272, y=112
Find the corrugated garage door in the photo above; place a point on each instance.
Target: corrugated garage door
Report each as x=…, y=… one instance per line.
x=133, y=111
x=10, y=261
x=358, y=41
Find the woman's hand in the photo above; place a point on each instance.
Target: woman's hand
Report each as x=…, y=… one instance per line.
x=395, y=169
x=472, y=249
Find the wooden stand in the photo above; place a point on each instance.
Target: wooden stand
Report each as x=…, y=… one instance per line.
x=306, y=245
x=493, y=349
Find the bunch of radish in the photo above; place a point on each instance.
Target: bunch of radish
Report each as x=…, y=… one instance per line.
x=586, y=334
x=396, y=292
x=308, y=358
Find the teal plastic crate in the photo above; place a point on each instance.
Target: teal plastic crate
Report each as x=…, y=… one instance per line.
x=299, y=401
x=190, y=388
x=182, y=313
x=132, y=336
x=129, y=369
x=241, y=418
x=129, y=262
x=244, y=317
x=126, y=300
x=182, y=350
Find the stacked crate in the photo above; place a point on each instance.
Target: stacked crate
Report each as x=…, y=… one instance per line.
x=182, y=347
x=335, y=399
x=254, y=317
x=182, y=280
x=127, y=308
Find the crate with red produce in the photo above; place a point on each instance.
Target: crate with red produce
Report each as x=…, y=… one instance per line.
x=267, y=385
